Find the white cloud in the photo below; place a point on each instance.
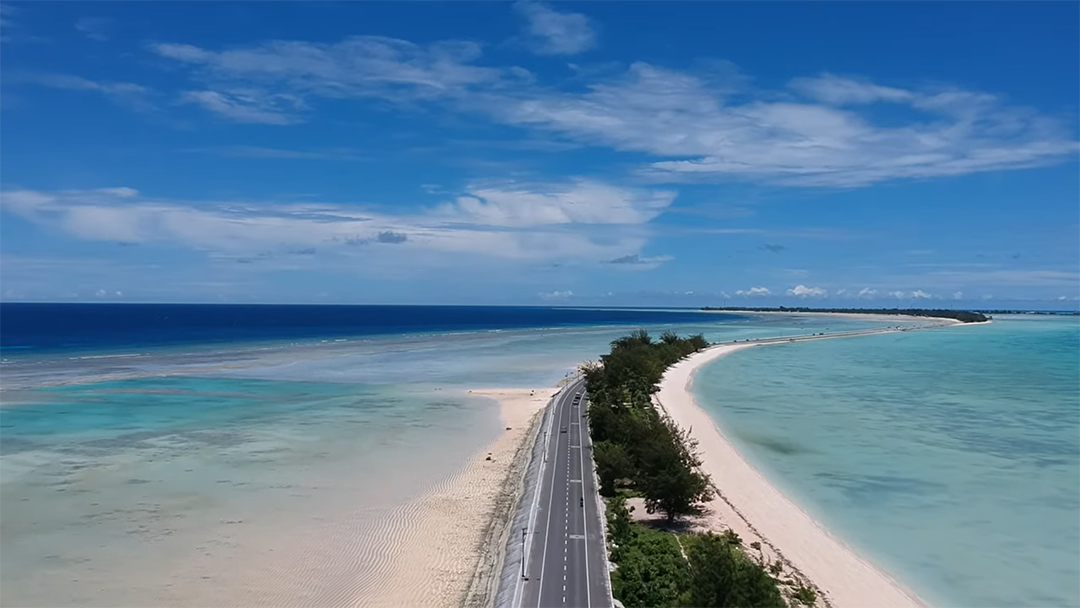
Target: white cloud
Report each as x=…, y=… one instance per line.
x=8, y=23
x=580, y=201
x=803, y=291
x=557, y=295
x=578, y=221
x=835, y=90
x=958, y=295
x=555, y=33
x=95, y=28
x=917, y=294
x=127, y=93
x=754, y=291
x=247, y=106
x=799, y=143
x=821, y=131
x=866, y=292
x=360, y=66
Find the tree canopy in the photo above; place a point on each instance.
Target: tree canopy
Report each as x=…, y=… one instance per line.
x=634, y=446
x=964, y=316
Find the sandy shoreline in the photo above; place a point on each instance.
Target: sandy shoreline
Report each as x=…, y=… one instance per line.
x=748, y=504
x=449, y=554
x=865, y=316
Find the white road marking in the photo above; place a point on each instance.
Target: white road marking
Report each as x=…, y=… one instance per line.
x=584, y=523
x=547, y=530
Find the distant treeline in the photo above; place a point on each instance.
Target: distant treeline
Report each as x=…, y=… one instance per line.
x=964, y=316
x=1063, y=313
x=641, y=453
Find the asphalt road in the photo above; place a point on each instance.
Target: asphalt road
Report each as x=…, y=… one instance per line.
x=566, y=565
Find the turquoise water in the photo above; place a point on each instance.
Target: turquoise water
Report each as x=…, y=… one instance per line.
x=950, y=457
x=140, y=479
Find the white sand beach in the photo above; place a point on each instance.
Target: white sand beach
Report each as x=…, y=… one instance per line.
x=748, y=504
x=450, y=550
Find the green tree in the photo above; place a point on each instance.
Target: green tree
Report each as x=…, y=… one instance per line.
x=651, y=572
x=723, y=576
x=669, y=477
x=620, y=526
x=612, y=464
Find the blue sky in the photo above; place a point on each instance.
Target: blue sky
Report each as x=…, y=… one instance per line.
x=862, y=154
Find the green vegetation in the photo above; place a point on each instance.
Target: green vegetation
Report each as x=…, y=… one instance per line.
x=634, y=446
x=652, y=570
x=805, y=595
x=661, y=569
x=940, y=313
x=640, y=452
x=723, y=575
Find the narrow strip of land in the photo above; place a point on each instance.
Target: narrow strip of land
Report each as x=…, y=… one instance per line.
x=751, y=506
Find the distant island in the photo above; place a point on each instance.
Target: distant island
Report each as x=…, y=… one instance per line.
x=964, y=316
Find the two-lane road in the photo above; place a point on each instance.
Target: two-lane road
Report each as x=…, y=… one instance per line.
x=566, y=565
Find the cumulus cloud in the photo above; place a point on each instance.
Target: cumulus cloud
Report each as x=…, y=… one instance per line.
x=803, y=291
x=551, y=32
x=917, y=294
x=866, y=292
x=579, y=201
x=575, y=221
x=556, y=295
x=754, y=291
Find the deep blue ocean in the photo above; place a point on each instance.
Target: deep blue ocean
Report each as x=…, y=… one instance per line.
x=50, y=327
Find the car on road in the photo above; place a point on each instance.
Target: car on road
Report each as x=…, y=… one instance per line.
x=562, y=430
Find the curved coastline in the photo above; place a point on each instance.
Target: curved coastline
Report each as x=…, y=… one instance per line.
x=749, y=504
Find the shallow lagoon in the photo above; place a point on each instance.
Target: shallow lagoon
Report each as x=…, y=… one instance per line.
x=949, y=457
x=254, y=473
